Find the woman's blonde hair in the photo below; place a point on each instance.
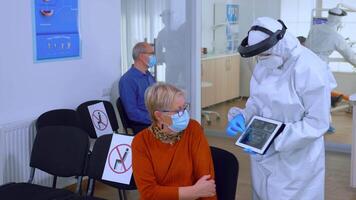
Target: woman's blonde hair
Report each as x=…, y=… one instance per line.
x=160, y=96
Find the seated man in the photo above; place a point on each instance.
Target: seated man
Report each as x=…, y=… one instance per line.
x=133, y=84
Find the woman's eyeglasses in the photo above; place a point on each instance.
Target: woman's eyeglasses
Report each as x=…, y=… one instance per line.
x=180, y=112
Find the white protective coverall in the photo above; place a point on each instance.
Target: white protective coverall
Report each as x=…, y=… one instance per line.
x=297, y=94
x=323, y=39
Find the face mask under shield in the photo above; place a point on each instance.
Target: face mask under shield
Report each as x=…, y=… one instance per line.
x=261, y=66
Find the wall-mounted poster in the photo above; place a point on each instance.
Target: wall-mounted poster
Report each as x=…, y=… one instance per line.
x=56, y=29
x=232, y=12
x=232, y=15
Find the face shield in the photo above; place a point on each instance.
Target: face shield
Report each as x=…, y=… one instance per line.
x=264, y=62
x=247, y=50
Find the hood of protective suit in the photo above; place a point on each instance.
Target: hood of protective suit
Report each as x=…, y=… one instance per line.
x=283, y=48
x=335, y=18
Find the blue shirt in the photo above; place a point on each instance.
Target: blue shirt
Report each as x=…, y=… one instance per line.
x=132, y=87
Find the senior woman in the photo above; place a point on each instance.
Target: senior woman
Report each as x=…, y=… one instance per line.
x=171, y=158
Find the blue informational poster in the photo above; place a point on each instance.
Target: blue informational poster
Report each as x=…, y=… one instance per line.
x=56, y=29
x=232, y=14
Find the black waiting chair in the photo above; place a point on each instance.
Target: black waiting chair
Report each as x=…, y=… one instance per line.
x=226, y=167
x=126, y=122
x=86, y=120
x=96, y=167
x=59, y=117
x=57, y=150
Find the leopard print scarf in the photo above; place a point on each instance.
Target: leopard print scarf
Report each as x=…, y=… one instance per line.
x=164, y=137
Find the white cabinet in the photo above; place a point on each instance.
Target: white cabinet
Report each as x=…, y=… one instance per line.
x=220, y=79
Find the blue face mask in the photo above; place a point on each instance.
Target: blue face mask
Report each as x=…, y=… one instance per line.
x=152, y=61
x=179, y=123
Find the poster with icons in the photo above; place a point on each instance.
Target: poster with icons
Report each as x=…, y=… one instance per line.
x=232, y=28
x=56, y=29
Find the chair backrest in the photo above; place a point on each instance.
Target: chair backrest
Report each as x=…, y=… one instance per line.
x=85, y=116
x=59, y=117
x=60, y=150
x=123, y=115
x=97, y=161
x=226, y=167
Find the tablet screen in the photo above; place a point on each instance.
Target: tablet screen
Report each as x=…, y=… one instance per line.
x=258, y=133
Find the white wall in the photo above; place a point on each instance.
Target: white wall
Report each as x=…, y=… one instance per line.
x=28, y=89
x=297, y=15
x=207, y=23
x=249, y=11
x=346, y=82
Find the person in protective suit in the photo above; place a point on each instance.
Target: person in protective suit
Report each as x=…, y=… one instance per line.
x=324, y=39
x=289, y=84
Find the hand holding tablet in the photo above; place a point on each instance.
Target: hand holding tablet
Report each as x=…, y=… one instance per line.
x=236, y=125
x=260, y=134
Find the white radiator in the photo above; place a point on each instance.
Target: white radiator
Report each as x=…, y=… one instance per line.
x=16, y=141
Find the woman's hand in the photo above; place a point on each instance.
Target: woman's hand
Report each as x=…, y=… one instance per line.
x=205, y=187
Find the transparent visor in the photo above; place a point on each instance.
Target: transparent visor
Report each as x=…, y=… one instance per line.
x=255, y=68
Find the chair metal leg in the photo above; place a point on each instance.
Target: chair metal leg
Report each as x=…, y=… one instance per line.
x=120, y=194
x=207, y=113
x=78, y=189
x=124, y=194
x=32, y=175
x=206, y=116
x=54, y=183
x=91, y=185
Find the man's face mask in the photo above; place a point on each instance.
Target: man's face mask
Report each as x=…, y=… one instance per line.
x=152, y=61
x=270, y=61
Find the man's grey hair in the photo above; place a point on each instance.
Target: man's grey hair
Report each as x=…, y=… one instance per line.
x=138, y=48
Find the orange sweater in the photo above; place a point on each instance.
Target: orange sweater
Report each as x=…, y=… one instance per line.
x=160, y=169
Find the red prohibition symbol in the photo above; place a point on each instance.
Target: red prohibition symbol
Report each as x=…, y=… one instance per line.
x=118, y=161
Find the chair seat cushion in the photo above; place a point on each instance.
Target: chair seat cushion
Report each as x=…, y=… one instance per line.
x=26, y=191
x=84, y=198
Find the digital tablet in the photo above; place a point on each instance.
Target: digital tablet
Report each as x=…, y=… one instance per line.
x=259, y=134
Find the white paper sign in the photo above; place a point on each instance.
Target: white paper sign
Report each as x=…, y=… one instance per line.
x=118, y=166
x=100, y=119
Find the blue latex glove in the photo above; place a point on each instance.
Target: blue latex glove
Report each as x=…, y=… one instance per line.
x=236, y=125
x=249, y=151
